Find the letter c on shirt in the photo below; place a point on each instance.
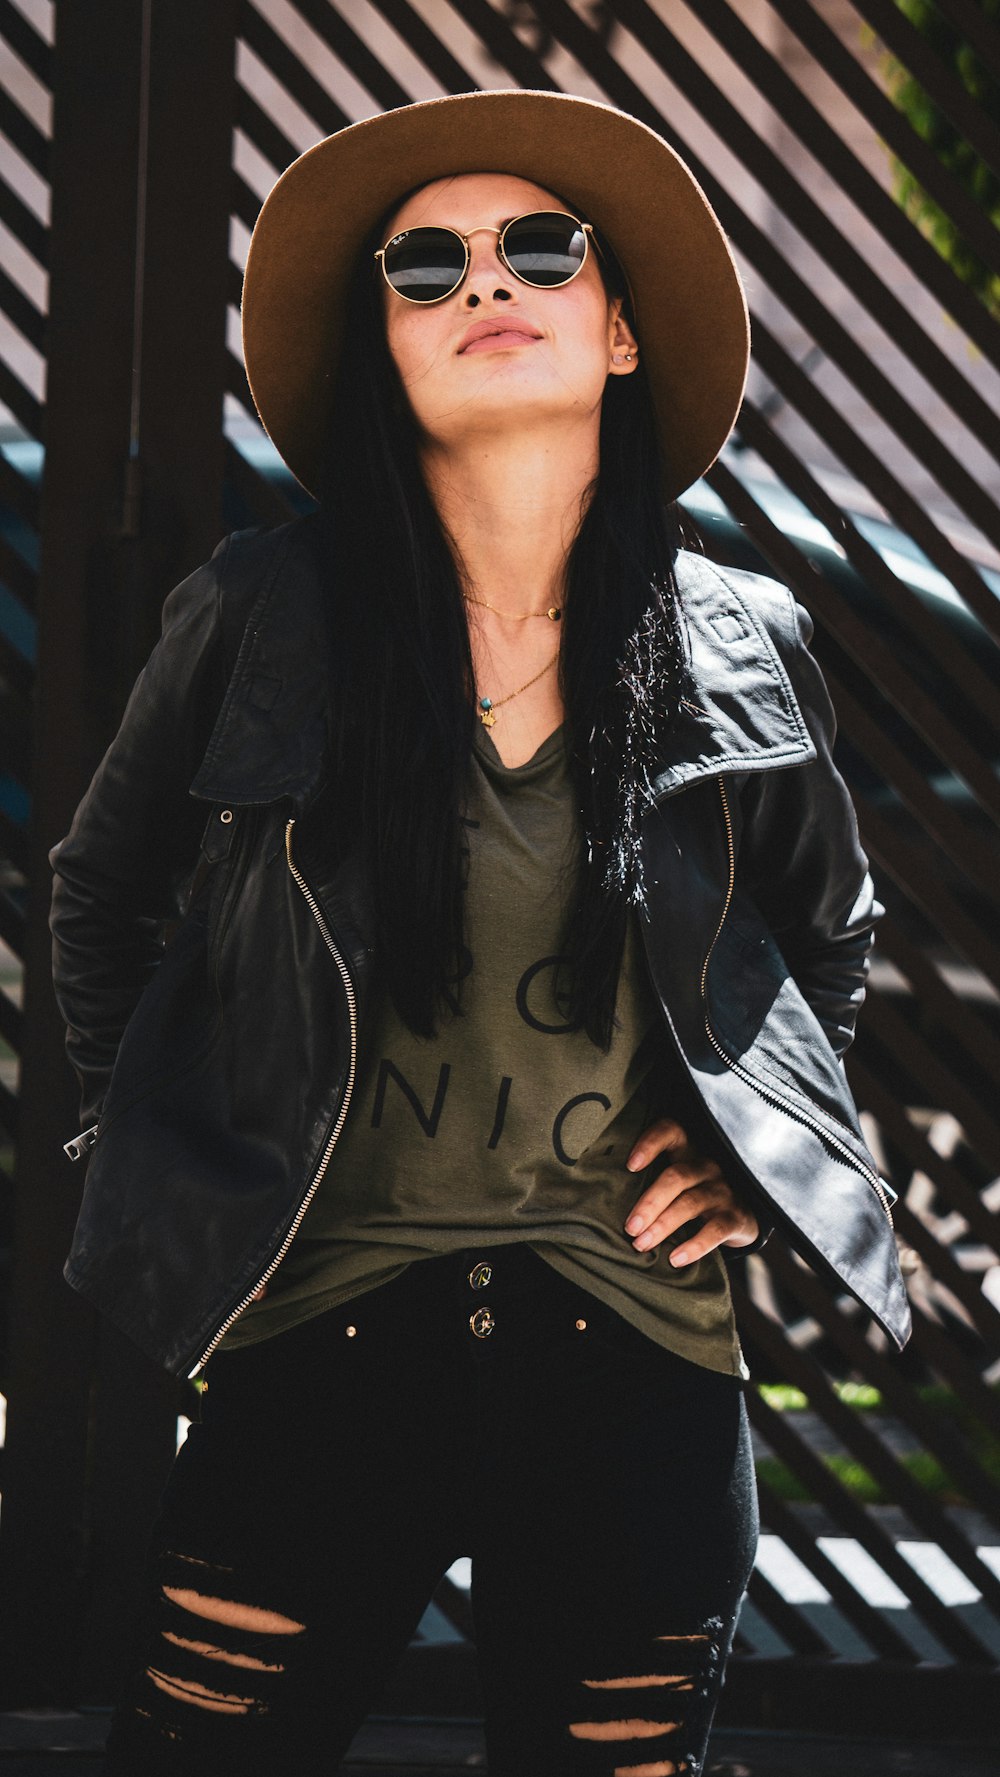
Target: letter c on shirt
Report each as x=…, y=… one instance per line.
x=557, y=1127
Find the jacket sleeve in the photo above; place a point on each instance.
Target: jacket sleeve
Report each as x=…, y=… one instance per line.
x=122, y=871
x=801, y=858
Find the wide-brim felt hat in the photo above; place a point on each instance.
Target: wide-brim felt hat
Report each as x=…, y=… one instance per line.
x=690, y=310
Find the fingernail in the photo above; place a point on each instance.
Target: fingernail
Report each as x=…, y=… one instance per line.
x=633, y=1163
x=633, y=1224
x=643, y=1241
x=680, y=1257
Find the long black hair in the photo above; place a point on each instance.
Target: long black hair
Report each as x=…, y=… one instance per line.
x=404, y=692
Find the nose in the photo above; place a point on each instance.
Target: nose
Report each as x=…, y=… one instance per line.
x=487, y=278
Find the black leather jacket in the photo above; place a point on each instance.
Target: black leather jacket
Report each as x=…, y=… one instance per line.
x=218, y=1068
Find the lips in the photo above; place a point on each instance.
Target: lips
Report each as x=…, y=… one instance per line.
x=490, y=329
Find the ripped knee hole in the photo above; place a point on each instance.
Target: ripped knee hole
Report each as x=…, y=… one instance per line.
x=236, y=1616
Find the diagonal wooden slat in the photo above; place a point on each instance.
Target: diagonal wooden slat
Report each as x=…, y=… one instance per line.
x=504, y=46
x=874, y=1625
x=898, y=34
x=940, y=821
x=837, y=157
x=812, y=223
x=11, y=1023
x=25, y=40
x=289, y=68
x=940, y=1082
x=21, y=311
x=11, y=924
x=244, y=203
x=944, y=1269
x=936, y=1434
x=885, y=1469
x=941, y=1353
x=425, y=43
x=976, y=26
x=21, y=496
x=881, y=665
x=923, y=1158
x=335, y=28
x=10, y=1118
x=912, y=518
x=25, y=135
x=23, y=223
x=824, y=1486
x=897, y=859
x=790, y=1623
x=954, y=1014
x=25, y=406
x=889, y=124
x=263, y=132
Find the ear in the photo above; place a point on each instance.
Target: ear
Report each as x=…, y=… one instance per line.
x=623, y=349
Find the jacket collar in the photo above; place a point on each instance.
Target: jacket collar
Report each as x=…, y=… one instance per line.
x=743, y=714
x=270, y=741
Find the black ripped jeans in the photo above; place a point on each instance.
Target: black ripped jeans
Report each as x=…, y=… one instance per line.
x=602, y=1487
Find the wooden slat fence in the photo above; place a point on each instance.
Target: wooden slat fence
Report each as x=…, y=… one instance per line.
x=865, y=473
x=25, y=65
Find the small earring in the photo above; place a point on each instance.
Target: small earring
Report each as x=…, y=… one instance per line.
x=628, y=357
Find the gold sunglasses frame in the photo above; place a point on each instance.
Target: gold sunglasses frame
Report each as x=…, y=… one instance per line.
x=484, y=228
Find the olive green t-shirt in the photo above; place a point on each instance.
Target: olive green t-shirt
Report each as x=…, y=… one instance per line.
x=510, y=1124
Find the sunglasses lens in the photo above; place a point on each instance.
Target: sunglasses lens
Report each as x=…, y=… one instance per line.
x=424, y=263
x=545, y=249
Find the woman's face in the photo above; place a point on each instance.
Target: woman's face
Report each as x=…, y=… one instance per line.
x=550, y=364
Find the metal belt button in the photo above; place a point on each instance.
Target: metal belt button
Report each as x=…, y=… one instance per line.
x=482, y=1323
x=480, y=1275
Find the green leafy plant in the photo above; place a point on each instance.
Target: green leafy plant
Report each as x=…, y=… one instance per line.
x=948, y=142
x=924, y=1468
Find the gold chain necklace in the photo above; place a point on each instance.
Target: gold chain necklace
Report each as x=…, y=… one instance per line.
x=487, y=711
x=553, y=613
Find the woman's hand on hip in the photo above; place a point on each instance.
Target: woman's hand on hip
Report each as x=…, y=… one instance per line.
x=690, y=1185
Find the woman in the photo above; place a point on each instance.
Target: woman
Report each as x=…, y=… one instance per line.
x=478, y=1040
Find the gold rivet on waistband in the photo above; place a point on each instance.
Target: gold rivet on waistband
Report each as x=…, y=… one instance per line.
x=226, y=816
x=351, y=1332
x=581, y=1326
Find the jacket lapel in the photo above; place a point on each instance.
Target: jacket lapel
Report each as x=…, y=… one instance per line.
x=271, y=738
x=745, y=716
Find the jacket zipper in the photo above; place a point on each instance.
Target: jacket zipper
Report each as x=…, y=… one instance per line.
x=334, y=1136
x=766, y=1092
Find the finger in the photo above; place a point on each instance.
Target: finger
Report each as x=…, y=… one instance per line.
x=673, y=1183
x=717, y=1231
x=662, y=1137
x=744, y=1233
x=701, y=1200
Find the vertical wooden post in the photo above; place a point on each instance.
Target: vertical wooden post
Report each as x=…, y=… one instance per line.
x=132, y=500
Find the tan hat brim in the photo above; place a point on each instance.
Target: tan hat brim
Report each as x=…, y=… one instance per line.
x=690, y=309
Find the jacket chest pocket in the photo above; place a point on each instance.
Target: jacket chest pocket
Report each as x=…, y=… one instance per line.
x=225, y=854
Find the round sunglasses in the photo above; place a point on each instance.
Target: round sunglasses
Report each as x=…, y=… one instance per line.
x=545, y=249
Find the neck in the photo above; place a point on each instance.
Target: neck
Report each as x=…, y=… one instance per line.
x=512, y=508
